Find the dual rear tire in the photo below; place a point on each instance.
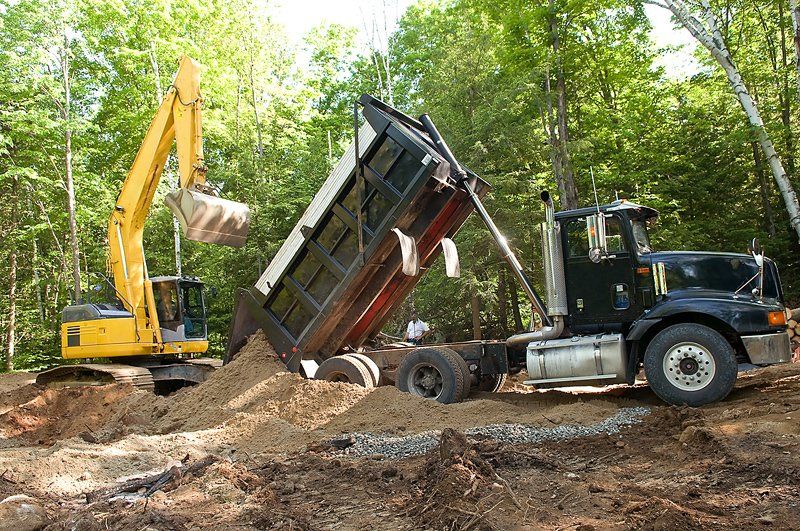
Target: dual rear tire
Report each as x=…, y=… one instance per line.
x=436, y=373
x=350, y=368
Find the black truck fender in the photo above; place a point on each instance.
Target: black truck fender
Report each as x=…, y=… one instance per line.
x=731, y=318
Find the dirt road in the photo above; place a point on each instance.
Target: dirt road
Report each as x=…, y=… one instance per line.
x=259, y=443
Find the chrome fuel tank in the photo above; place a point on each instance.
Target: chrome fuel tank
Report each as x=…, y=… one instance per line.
x=579, y=360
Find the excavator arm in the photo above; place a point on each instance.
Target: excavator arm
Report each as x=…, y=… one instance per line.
x=203, y=215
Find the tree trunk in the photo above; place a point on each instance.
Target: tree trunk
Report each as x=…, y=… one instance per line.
x=156, y=73
x=238, y=106
x=255, y=108
x=502, y=302
x=73, y=224
x=475, y=306
x=569, y=199
x=549, y=122
x=785, y=98
x=11, y=332
x=515, y=307
x=176, y=233
x=176, y=183
x=795, y=8
x=711, y=38
x=763, y=185
x=37, y=281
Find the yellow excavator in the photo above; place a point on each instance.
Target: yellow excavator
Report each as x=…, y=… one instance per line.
x=156, y=326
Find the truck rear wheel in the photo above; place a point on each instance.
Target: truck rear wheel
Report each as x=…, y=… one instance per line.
x=371, y=366
x=433, y=372
x=344, y=369
x=492, y=383
x=690, y=364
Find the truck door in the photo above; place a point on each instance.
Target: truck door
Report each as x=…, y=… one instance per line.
x=601, y=296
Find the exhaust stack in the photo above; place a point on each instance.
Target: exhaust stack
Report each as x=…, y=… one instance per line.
x=554, y=280
x=556, y=286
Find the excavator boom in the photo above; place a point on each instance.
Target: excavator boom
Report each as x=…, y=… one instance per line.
x=203, y=215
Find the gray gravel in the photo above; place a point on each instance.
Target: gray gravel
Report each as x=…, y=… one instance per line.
x=392, y=447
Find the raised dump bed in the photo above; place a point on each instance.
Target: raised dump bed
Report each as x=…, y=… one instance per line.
x=328, y=290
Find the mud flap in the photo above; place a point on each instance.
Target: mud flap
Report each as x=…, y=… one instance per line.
x=451, y=263
x=208, y=218
x=408, y=248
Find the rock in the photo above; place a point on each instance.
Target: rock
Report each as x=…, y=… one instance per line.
x=767, y=519
x=344, y=442
x=595, y=488
x=695, y=435
x=22, y=513
x=389, y=472
x=88, y=437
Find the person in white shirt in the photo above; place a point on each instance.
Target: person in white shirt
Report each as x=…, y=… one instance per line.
x=416, y=330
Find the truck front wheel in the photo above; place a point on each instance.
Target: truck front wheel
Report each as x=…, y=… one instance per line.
x=690, y=364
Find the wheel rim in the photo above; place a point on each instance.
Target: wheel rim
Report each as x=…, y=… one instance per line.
x=689, y=366
x=425, y=381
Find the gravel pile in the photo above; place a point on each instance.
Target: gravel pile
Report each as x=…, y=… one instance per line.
x=392, y=447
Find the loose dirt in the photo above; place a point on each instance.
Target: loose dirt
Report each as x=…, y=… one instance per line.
x=727, y=465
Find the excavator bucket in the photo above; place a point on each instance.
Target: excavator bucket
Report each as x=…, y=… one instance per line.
x=208, y=218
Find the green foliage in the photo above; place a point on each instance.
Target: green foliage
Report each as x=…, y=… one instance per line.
x=276, y=119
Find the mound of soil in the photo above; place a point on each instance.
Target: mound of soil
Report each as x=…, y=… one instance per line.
x=55, y=414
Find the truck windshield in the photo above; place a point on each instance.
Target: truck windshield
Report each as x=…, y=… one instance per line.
x=641, y=237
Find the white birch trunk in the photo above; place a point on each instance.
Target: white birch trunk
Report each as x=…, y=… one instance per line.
x=794, y=7
x=176, y=225
x=73, y=224
x=711, y=38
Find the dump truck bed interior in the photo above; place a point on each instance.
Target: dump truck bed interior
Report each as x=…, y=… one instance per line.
x=328, y=288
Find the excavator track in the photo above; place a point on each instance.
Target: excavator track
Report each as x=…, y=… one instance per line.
x=97, y=374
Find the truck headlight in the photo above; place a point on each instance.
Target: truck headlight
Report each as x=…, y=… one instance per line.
x=776, y=318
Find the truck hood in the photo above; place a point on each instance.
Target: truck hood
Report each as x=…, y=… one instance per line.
x=717, y=272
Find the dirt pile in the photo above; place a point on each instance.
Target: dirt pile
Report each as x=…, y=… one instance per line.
x=54, y=414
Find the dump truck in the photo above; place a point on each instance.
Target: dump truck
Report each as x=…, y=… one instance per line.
x=614, y=305
x=154, y=327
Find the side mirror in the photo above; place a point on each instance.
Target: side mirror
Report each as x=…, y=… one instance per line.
x=596, y=229
x=755, y=249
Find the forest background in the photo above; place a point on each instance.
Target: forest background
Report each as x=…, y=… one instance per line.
x=529, y=94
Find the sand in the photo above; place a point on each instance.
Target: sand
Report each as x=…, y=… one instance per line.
x=72, y=440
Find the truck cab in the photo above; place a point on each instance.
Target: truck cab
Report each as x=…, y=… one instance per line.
x=688, y=318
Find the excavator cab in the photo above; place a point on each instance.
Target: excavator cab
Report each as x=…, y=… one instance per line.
x=181, y=309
